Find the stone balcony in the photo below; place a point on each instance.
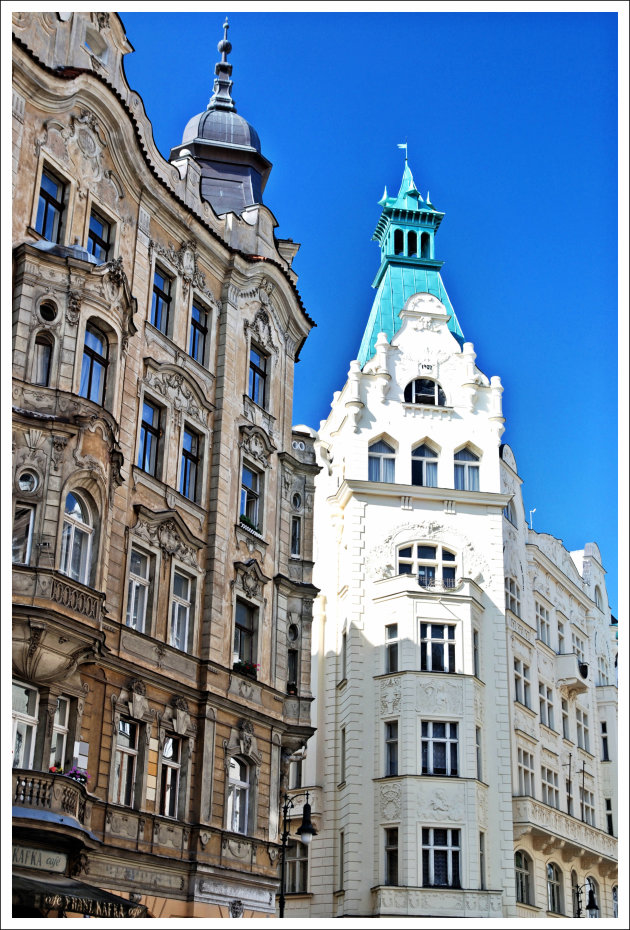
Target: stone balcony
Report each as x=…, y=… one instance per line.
x=571, y=673
x=50, y=589
x=555, y=829
x=390, y=901
x=48, y=794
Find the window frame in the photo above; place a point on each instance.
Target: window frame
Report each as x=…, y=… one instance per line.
x=26, y=542
x=198, y=342
x=452, y=848
x=60, y=206
x=258, y=376
x=170, y=778
x=238, y=817
x=30, y=723
x=526, y=773
x=512, y=595
x=156, y=431
x=125, y=779
x=136, y=582
x=245, y=634
x=392, y=653
x=190, y=464
x=42, y=339
x=425, y=568
x=380, y=460
x=523, y=874
x=466, y=472
x=97, y=243
x=420, y=463
x=68, y=539
x=546, y=705
x=60, y=731
x=296, y=867
x=522, y=683
x=582, y=729
x=428, y=642
x=543, y=624
x=296, y=536
x=160, y=299
x=587, y=806
x=413, y=393
x=449, y=741
x=251, y=497
x=90, y=359
x=177, y=601
x=555, y=879
x=391, y=876
x=391, y=748
x=550, y=792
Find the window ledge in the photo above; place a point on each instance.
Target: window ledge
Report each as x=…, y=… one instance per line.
x=298, y=895
x=527, y=708
x=251, y=532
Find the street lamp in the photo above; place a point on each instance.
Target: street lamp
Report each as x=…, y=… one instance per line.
x=591, y=903
x=306, y=831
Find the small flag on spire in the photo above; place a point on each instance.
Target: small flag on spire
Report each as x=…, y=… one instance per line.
x=403, y=145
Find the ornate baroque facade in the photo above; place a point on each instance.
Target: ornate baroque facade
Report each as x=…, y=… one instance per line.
x=465, y=758
x=162, y=596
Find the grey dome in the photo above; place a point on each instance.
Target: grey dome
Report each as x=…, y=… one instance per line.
x=222, y=127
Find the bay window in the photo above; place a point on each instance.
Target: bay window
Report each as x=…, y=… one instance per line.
x=440, y=857
x=439, y=748
x=437, y=647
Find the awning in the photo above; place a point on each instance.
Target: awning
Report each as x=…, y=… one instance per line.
x=65, y=894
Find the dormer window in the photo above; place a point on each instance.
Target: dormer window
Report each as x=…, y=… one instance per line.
x=425, y=391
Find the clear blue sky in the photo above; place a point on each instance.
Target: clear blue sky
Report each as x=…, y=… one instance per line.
x=511, y=121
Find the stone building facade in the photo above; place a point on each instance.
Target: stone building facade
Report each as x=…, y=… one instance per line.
x=464, y=763
x=163, y=516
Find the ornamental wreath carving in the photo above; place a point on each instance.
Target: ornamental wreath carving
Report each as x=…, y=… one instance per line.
x=390, y=696
x=390, y=802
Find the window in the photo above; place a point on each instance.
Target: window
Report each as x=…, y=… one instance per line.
x=99, y=236
x=554, y=888
x=391, y=748
x=521, y=683
x=344, y=656
x=342, y=859
x=297, y=867
x=437, y=647
x=478, y=753
x=430, y=563
x=257, y=386
x=245, y=627
x=561, y=637
x=425, y=391
x=238, y=795
x=542, y=624
x=22, y=540
x=581, y=719
x=424, y=462
x=189, y=475
x=439, y=748
x=50, y=207
x=391, y=648
x=170, y=776
x=292, y=670
x=181, y=604
x=440, y=857
x=412, y=243
x=466, y=470
x=578, y=646
x=523, y=874
x=198, y=334
x=550, y=793
x=59, y=739
x=565, y=718
x=295, y=774
x=602, y=671
x=545, y=700
x=149, y=453
x=161, y=301
x=604, y=732
x=94, y=365
x=482, y=861
x=587, y=806
x=250, y=498
x=139, y=590
x=574, y=893
x=42, y=360
x=476, y=670
x=381, y=462
x=425, y=240
x=25, y=709
x=342, y=755
x=609, y=816
x=598, y=597
x=509, y=512
x=569, y=798
x=76, y=539
x=615, y=901
x=399, y=242
x=525, y=773
x=125, y=763
x=391, y=856
x=592, y=886
x=296, y=536
x=512, y=596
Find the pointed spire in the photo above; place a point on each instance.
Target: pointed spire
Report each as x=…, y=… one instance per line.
x=221, y=98
x=383, y=199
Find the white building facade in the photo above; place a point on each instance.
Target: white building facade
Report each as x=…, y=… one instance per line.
x=464, y=763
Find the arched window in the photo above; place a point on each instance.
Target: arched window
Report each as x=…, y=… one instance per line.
x=466, y=470
x=424, y=462
x=554, y=888
x=238, y=795
x=431, y=562
x=615, y=901
x=509, y=512
x=591, y=885
x=412, y=244
x=399, y=242
x=425, y=245
x=523, y=873
x=575, y=910
x=76, y=540
x=598, y=598
x=94, y=365
x=425, y=391
x=381, y=462
x=42, y=360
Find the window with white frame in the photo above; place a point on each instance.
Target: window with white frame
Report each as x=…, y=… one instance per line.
x=295, y=773
x=43, y=350
x=139, y=591
x=181, y=610
x=431, y=563
x=569, y=797
x=545, y=701
x=478, y=753
x=50, y=206
x=76, y=539
x=439, y=748
x=564, y=704
x=550, y=792
x=578, y=646
x=25, y=708
x=466, y=470
x=587, y=806
x=126, y=763
x=561, y=637
x=522, y=688
x=524, y=877
x=543, y=625
x=512, y=596
x=296, y=868
x=555, y=879
x=391, y=748
x=610, y=827
x=170, y=776
x=238, y=795
x=440, y=857
x=509, y=512
x=604, y=735
x=381, y=462
x=598, y=598
x=22, y=541
x=251, y=498
x=615, y=901
x=583, y=736
x=476, y=663
x=482, y=860
x=425, y=391
x=245, y=633
x=391, y=855
x=602, y=671
x=391, y=648
x=592, y=890
x=59, y=741
x=424, y=465
x=525, y=766
x=437, y=647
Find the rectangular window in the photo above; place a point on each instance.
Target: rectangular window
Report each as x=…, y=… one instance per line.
x=476, y=654
x=478, y=753
x=342, y=859
x=125, y=763
x=482, y=861
x=543, y=625
x=50, y=207
x=25, y=710
x=391, y=748
x=139, y=592
x=440, y=858
x=545, y=701
x=245, y=629
x=391, y=648
x=297, y=868
x=526, y=773
x=22, y=541
x=569, y=798
x=295, y=774
x=602, y=671
x=439, y=748
x=437, y=647
x=181, y=610
x=578, y=646
x=565, y=718
x=59, y=739
x=171, y=769
x=604, y=730
x=257, y=387
x=189, y=473
x=522, y=690
x=342, y=755
x=99, y=237
x=292, y=670
x=391, y=856
x=296, y=536
x=198, y=334
x=561, y=637
x=609, y=816
x=43, y=357
x=251, y=511
x=161, y=301
x=344, y=656
x=587, y=806
x=512, y=596
x=550, y=792
x=149, y=453
x=581, y=720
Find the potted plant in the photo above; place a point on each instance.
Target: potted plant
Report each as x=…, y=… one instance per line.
x=292, y=687
x=250, y=669
x=249, y=523
x=77, y=774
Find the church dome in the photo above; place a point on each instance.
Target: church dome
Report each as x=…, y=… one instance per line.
x=222, y=127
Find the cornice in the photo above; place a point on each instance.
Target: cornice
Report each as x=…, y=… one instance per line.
x=351, y=487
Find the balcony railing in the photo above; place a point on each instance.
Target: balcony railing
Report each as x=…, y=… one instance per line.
x=571, y=673
x=53, y=793
x=392, y=901
x=51, y=588
x=544, y=820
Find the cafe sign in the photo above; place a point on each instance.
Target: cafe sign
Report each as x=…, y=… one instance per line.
x=28, y=857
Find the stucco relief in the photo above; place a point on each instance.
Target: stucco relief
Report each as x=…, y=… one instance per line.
x=390, y=802
x=167, y=537
x=555, y=551
x=173, y=387
x=256, y=445
x=482, y=805
x=390, y=695
x=522, y=721
x=260, y=329
x=441, y=697
x=441, y=805
x=185, y=261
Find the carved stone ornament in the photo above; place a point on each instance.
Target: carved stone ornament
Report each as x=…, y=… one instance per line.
x=167, y=531
x=444, y=697
x=249, y=578
x=423, y=303
x=260, y=329
x=242, y=742
x=256, y=445
x=236, y=908
x=181, y=716
x=73, y=307
x=184, y=260
x=41, y=656
x=390, y=696
x=390, y=802
x=138, y=704
x=172, y=385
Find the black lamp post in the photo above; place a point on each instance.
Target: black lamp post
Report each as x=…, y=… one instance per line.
x=306, y=831
x=591, y=903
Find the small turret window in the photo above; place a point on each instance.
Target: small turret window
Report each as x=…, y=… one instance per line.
x=399, y=242
x=425, y=245
x=412, y=244
x=425, y=391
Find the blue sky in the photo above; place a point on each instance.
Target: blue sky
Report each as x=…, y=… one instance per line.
x=511, y=123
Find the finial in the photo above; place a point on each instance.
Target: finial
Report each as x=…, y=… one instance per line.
x=225, y=46
x=222, y=91
x=403, y=145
